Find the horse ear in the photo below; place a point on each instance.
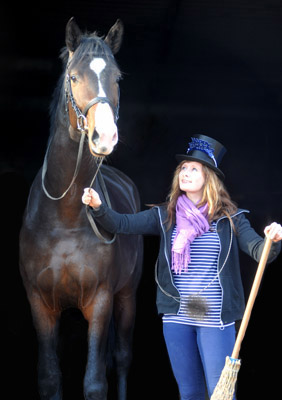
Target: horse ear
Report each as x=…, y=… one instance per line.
x=114, y=36
x=73, y=35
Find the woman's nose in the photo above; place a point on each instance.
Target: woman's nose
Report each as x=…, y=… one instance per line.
x=187, y=172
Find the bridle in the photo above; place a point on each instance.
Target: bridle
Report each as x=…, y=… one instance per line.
x=83, y=129
x=81, y=115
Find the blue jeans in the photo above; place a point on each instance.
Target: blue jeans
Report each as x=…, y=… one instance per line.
x=197, y=356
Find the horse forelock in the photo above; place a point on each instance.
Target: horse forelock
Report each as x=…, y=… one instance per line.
x=90, y=46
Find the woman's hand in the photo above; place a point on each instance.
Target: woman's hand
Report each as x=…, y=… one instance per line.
x=274, y=232
x=91, y=198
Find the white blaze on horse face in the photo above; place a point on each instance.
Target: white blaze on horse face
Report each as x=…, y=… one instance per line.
x=97, y=65
x=106, y=134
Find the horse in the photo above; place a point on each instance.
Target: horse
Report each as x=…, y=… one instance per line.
x=66, y=260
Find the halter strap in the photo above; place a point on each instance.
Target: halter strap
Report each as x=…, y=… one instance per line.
x=100, y=100
x=81, y=115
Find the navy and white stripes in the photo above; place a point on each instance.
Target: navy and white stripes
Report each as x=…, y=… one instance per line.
x=201, y=278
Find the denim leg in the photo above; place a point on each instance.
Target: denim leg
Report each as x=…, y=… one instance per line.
x=214, y=345
x=181, y=343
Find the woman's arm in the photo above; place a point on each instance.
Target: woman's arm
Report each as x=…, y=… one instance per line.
x=144, y=222
x=252, y=243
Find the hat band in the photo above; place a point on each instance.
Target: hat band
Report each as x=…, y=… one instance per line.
x=202, y=145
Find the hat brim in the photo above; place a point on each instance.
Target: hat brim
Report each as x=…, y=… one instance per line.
x=182, y=157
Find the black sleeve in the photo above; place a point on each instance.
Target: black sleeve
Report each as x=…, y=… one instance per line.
x=143, y=222
x=252, y=243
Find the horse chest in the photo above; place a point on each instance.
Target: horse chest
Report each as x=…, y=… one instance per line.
x=68, y=286
x=71, y=270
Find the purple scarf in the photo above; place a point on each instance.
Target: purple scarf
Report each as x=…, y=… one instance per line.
x=191, y=222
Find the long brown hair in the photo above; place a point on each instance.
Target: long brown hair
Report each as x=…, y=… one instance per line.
x=214, y=193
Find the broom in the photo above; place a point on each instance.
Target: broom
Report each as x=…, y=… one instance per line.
x=225, y=387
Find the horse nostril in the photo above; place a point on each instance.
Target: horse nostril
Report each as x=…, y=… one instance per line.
x=95, y=137
x=115, y=137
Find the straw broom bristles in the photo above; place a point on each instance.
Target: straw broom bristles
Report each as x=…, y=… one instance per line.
x=225, y=387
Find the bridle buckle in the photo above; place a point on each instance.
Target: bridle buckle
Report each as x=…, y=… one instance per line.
x=82, y=123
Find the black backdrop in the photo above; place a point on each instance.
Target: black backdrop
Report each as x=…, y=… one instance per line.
x=197, y=66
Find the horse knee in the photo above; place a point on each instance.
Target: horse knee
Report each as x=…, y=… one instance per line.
x=123, y=358
x=95, y=391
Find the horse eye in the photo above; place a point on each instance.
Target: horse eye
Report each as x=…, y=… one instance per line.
x=73, y=78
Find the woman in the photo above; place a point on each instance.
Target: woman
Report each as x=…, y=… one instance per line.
x=200, y=293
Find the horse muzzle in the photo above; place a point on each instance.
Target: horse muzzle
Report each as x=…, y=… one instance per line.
x=102, y=130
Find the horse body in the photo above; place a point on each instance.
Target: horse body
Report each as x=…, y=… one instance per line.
x=63, y=263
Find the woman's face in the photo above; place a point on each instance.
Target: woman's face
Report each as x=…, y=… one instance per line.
x=192, y=180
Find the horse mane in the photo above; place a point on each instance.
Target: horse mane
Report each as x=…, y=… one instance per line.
x=57, y=97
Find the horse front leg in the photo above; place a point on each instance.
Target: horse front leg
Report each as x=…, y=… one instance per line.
x=98, y=316
x=46, y=326
x=124, y=316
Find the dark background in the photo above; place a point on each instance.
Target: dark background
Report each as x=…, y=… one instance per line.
x=198, y=66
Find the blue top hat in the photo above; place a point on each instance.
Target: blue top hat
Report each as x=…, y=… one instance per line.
x=205, y=150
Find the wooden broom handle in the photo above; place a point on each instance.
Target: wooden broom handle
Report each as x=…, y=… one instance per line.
x=252, y=297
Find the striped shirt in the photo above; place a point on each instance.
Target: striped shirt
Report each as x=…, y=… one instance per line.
x=201, y=278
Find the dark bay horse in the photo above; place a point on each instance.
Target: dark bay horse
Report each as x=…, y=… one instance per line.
x=63, y=263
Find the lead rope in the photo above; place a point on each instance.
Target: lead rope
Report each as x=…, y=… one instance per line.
x=78, y=162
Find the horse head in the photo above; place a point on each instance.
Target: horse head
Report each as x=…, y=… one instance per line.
x=91, y=86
